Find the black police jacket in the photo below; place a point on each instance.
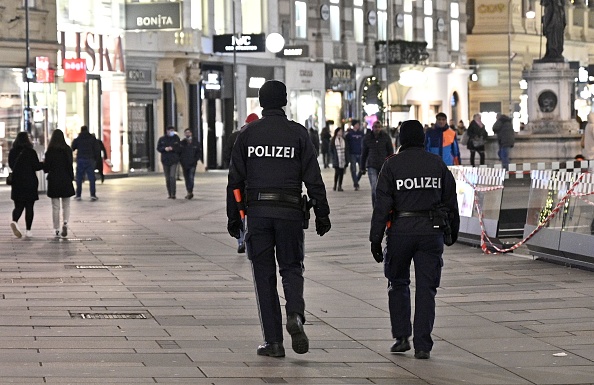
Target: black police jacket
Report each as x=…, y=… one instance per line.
x=413, y=180
x=274, y=155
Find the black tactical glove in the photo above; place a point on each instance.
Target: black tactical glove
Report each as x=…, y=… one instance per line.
x=363, y=171
x=322, y=225
x=377, y=251
x=234, y=227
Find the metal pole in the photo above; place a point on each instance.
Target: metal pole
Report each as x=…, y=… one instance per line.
x=509, y=58
x=388, y=34
x=27, y=114
x=234, y=70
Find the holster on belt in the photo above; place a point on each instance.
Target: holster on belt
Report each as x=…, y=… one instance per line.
x=439, y=215
x=306, y=205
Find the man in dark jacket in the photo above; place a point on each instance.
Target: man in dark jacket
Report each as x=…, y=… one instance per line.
x=416, y=195
x=86, y=153
x=101, y=154
x=504, y=130
x=168, y=146
x=191, y=152
x=271, y=160
x=377, y=146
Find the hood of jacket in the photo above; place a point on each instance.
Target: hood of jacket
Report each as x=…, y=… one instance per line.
x=505, y=118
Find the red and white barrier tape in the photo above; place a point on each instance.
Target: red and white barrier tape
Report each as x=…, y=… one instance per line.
x=554, y=212
x=485, y=238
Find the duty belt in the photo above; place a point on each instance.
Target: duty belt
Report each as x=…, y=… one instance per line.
x=279, y=197
x=402, y=214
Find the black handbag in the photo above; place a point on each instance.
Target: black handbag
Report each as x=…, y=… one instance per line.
x=9, y=177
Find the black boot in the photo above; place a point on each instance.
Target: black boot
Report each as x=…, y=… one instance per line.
x=400, y=345
x=295, y=328
x=273, y=349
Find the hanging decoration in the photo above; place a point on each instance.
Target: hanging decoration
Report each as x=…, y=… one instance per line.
x=372, y=98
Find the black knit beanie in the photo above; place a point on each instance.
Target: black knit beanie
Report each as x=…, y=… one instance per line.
x=273, y=94
x=411, y=134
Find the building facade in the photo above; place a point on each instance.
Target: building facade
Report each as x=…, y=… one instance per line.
x=504, y=39
x=198, y=64
x=27, y=34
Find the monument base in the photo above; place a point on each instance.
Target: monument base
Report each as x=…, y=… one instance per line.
x=558, y=127
x=534, y=148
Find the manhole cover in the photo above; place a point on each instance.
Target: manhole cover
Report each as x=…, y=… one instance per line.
x=73, y=239
x=96, y=221
x=109, y=315
x=98, y=266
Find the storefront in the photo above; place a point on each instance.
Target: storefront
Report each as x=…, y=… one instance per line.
x=142, y=99
x=340, y=100
x=216, y=111
x=305, y=89
x=14, y=92
x=256, y=76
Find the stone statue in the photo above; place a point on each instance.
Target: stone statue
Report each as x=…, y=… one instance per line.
x=553, y=29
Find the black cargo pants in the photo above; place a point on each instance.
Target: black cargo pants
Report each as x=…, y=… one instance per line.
x=268, y=241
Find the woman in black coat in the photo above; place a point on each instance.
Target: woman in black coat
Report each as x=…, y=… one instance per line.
x=23, y=162
x=60, y=174
x=339, y=150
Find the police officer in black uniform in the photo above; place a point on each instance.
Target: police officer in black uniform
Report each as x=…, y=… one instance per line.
x=416, y=201
x=271, y=160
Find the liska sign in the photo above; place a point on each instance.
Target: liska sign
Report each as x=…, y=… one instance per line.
x=102, y=52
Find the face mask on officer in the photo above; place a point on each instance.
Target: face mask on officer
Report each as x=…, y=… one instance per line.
x=170, y=132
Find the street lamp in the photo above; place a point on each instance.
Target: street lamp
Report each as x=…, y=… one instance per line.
x=27, y=113
x=509, y=57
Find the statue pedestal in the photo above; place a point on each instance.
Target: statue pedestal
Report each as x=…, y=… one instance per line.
x=550, y=100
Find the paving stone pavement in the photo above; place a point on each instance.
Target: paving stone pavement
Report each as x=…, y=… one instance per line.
x=182, y=309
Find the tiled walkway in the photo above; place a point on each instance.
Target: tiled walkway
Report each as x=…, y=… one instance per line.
x=171, y=268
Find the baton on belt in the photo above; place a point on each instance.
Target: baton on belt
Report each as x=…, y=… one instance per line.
x=240, y=207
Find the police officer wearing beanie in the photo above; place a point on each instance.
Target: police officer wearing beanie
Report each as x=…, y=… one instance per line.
x=271, y=160
x=415, y=191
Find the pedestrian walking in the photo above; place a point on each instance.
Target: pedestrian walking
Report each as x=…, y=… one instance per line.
x=85, y=146
x=100, y=156
x=416, y=196
x=354, y=138
x=169, y=147
x=477, y=138
x=377, y=146
x=442, y=140
x=315, y=139
x=58, y=166
x=339, y=150
x=190, y=154
x=23, y=161
x=504, y=130
x=270, y=162
x=325, y=136
x=587, y=142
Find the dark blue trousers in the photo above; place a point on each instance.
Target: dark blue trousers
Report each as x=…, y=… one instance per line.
x=426, y=252
x=268, y=241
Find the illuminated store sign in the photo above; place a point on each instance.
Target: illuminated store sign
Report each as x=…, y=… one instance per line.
x=42, y=69
x=102, y=52
x=241, y=43
x=75, y=71
x=340, y=77
x=294, y=51
x=153, y=16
